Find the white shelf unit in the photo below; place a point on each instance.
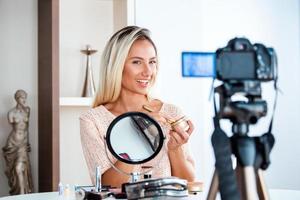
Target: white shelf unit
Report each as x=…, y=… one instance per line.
x=76, y=101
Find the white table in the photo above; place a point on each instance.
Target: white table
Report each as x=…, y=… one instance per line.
x=277, y=194
x=54, y=196
x=34, y=196
x=280, y=194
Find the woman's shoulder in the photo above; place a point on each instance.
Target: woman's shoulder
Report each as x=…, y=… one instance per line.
x=94, y=113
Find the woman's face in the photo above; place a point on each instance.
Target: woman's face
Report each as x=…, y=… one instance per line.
x=140, y=67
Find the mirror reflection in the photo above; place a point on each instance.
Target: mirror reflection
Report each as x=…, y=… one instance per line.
x=134, y=138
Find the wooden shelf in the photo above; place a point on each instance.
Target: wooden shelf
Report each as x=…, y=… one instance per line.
x=76, y=101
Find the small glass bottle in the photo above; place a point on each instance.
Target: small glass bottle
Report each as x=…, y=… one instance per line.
x=60, y=189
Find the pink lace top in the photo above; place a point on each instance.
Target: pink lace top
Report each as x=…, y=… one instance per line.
x=93, y=126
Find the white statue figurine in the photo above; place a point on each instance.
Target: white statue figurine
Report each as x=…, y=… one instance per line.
x=17, y=147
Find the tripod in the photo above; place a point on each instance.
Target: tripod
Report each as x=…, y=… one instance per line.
x=252, y=155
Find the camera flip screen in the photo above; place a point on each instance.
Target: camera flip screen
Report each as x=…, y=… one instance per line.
x=236, y=65
x=198, y=64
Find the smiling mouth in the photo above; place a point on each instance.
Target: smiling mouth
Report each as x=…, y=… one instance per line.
x=143, y=83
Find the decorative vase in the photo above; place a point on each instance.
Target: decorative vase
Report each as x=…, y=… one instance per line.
x=89, y=85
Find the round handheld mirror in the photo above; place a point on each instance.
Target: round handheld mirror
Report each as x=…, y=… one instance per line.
x=134, y=138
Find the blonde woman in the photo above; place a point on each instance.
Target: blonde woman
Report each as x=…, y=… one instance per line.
x=129, y=67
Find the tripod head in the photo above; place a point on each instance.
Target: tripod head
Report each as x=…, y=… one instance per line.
x=241, y=113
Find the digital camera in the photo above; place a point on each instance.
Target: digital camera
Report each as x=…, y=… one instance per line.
x=240, y=60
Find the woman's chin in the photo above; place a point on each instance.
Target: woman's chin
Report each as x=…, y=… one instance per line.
x=143, y=92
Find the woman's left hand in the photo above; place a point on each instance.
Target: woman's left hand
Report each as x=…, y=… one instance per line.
x=178, y=136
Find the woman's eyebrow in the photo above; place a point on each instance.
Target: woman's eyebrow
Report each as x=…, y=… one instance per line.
x=136, y=57
x=140, y=58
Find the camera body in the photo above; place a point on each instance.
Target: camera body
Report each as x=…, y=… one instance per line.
x=240, y=60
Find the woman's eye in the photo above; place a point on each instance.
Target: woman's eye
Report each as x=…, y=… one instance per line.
x=153, y=62
x=138, y=62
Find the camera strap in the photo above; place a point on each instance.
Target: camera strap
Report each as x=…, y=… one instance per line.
x=267, y=140
x=274, y=61
x=222, y=150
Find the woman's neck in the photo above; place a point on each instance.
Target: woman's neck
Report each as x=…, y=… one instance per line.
x=128, y=103
x=132, y=102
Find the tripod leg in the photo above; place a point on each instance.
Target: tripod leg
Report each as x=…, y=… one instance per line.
x=247, y=182
x=214, y=187
x=261, y=186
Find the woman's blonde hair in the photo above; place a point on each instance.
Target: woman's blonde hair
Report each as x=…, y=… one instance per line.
x=113, y=60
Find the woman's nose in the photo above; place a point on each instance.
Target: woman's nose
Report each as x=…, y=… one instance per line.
x=147, y=70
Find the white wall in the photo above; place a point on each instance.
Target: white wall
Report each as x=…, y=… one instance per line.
x=206, y=25
x=18, y=70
